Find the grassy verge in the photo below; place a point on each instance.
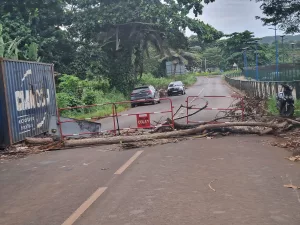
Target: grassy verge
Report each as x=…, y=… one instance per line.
x=234, y=73
x=209, y=74
x=75, y=92
x=96, y=111
x=271, y=106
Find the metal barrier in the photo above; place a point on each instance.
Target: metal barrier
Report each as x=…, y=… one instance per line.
x=188, y=107
x=142, y=119
x=62, y=135
x=261, y=89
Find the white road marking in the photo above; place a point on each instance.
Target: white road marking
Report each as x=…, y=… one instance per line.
x=128, y=163
x=72, y=219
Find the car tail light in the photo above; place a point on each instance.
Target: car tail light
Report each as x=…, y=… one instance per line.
x=149, y=92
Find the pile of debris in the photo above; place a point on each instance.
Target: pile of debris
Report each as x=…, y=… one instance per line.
x=255, y=120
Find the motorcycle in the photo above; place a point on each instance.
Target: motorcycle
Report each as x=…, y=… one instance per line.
x=285, y=101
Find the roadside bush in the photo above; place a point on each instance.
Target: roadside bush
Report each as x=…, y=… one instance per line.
x=163, y=82
x=64, y=100
x=237, y=73
x=89, y=96
x=271, y=106
x=209, y=73
x=75, y=92
x=72, y=91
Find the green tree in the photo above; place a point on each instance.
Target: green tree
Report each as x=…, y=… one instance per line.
x=285, y=13
x=102, y=39
x=213, y=57
x=232, y=50
x=124, y=38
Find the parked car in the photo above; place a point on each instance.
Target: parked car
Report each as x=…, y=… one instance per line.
x=145, y=93
x=176, y=88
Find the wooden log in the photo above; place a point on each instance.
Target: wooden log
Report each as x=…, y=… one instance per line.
x=174, y=134
x=39, y=141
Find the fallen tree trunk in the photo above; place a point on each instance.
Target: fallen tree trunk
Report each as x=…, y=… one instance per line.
x=39, y=141
x=174, y=134
x=179, y=126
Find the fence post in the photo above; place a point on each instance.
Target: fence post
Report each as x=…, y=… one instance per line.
x=187, y=110
x=270, y=89
x=265, y=90
x=297, y=88
x=59, y=124
x=276, y=88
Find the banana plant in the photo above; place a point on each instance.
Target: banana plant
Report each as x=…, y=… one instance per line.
x=33, y=52
x=13, y=52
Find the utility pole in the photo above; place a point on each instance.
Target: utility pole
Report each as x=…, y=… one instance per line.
x=256, y=51
x=277, y=59
x=245, y=61
x=293, y=52
x=282, y=39
x=205, y=64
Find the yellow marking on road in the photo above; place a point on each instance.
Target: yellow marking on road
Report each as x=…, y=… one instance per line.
x=72, y=219
x=128, y=163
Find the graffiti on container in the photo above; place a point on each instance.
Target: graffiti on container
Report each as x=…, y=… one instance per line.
x=31, y=99
x=40, y=124
x=28, y=72
x=26, y=123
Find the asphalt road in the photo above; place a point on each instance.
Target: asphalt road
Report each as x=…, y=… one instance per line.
x=230, y=181
x=204, y=87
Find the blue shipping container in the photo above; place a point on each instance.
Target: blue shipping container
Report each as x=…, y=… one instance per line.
x=27, y=99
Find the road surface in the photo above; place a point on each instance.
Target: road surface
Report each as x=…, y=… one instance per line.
x=204, y=87
x=166, y=184
x=235, y=180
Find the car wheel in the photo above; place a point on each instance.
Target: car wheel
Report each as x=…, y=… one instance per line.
x=153, y=102
x=133, y=105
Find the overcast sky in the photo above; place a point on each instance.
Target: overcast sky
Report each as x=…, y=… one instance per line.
x=234, y=16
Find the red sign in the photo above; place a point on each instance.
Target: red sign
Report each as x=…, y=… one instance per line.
x=143, y=120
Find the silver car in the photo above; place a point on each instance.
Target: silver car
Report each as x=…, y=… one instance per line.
x=176, y=88
x=146, y=94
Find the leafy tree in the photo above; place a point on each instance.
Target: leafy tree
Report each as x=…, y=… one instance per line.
x=232, y=50
x=213, y=57
x=285, y=13
x=101, y=39
x=123, y=39
x=35, y=21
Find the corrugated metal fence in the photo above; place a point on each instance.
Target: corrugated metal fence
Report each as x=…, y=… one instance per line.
x=27, y=99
